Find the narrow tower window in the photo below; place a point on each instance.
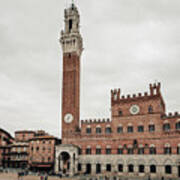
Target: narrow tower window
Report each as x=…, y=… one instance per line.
x=70, y=25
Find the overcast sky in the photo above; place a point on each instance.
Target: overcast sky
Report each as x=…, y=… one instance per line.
x=127, y=44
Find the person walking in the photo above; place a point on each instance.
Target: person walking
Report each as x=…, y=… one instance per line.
x=46, y=177
x=41, y=177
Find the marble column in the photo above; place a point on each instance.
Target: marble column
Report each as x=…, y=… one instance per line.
x=175, y=171
x=93, y=166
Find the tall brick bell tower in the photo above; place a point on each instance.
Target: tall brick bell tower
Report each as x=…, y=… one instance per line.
x=72, y=46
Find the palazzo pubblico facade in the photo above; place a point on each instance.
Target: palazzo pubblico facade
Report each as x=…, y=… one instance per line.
x=139, y=139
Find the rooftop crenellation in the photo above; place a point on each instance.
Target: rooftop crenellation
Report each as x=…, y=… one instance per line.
x=90, y=121
x=154, y=91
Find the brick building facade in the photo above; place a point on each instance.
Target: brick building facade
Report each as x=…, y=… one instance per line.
x=5, y=140
x=34, y=150
x=138, y=139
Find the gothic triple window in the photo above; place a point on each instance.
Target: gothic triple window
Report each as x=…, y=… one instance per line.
x=166, y=126
x=151, y=128
x=152, y=149
x=120, y=129
x=108, y=149
x=88, y=130
x=178, y=125
x=140, y=128
x=98, y=150
x=130, y=150
x=150, y=109
x=98, y=130
x=88, y=150
x=108, y=129
x=178, y=149
x=130, y=129
x=167, y=149
x=141, y=149
x=120, y=150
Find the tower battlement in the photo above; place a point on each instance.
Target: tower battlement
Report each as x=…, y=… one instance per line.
x=171, y=115
x=154, y=92
x=92, y=121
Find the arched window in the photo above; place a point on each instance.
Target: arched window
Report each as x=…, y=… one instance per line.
x=108, y=167
x=88, y=130
x=120, y=167
x=98, y=149
x=70, y=25
x=79, y=167
x=130, y=150
x=98, y=129
x=130, y=128
x=152, y=149
x=88, y=150
x=79, y=150
x=167, y=149
x=178, y=124
x=141, y=168
x=140, y=128
x=37, y=149
x=166, y=126
x=120, y=129
x=178, y=149
x=120, y=150
x=108, y=149
x=151, y=127
x=98, y=168
x=108, y=129
x=168, y=169
x=130, y=168
x=120, y=113
x=150, y=109
x=152, y=169
x=88, y=168
x=141, y=149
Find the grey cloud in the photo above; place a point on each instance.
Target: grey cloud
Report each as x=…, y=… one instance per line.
x=128, y=44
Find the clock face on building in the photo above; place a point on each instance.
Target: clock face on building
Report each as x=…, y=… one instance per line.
x=68, y=118
x=134, y=109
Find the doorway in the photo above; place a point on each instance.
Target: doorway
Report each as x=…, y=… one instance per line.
x=88, y=168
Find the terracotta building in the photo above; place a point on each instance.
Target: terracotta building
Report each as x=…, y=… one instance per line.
x=5, y=140
x=42, y=152
x=138, y=139
x=34, y=150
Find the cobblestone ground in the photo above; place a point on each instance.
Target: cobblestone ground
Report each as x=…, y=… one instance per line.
x=13, y=176
x=10, y=176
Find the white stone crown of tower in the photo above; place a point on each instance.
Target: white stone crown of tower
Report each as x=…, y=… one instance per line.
x=71, y=40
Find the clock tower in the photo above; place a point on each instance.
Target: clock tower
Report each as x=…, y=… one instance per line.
x=72, y=46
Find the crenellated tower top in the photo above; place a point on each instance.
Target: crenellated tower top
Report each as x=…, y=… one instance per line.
x=71, y=40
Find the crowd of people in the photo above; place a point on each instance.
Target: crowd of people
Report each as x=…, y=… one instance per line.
x=44, y=177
